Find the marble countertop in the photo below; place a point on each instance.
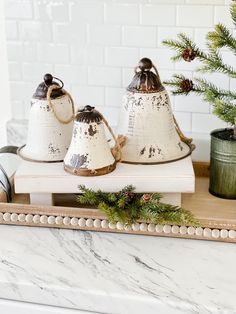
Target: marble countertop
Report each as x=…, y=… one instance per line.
x=116, y=273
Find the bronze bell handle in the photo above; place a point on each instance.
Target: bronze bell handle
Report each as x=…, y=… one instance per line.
x=48, y=79
x=145, y=64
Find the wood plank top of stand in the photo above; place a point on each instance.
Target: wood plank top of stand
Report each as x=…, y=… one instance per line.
x=51, y=178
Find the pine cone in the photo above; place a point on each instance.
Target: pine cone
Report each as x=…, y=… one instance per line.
x=130, y=195
x=146, y=197
x=188, y=54
x=186, y=85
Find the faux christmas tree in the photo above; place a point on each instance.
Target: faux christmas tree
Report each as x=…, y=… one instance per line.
x=223, y=101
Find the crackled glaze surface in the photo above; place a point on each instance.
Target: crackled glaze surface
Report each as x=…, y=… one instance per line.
x=89, y=148
x=147, y=121
x=117, y=273
x=48, y=139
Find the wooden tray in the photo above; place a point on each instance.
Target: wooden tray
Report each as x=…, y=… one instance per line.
x=217, y=216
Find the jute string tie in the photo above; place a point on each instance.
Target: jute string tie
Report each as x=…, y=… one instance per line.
x=51, y=105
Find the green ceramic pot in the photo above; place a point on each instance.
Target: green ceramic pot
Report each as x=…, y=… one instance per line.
x=223, y=164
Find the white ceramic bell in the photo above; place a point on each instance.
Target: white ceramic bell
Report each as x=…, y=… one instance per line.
x=89, y=153
x=147, y=121
x=50, y=123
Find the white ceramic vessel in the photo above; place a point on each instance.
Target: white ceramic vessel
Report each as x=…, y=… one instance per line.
x=147, y=121
x=50, y=123
x=89, y=153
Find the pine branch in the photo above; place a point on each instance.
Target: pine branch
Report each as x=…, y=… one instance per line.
x=166, y=213
x=233, y=13
x=200, y=86
x=211, y=91
x=226, y=111
x=221, y=37
x=212, y=61
x=129, y=207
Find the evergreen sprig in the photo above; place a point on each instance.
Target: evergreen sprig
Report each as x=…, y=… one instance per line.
x=223, y=101
x=233, y=13
x=211, y=61
x=129, y=207
x=221, y=37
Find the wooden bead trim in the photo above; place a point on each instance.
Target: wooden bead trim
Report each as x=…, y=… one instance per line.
x=104, y=225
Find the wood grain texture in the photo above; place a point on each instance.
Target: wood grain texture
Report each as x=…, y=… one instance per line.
x=3, y=196
x=217, y=216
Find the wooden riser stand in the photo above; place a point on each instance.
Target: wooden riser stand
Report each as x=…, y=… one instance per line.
x=216, y=216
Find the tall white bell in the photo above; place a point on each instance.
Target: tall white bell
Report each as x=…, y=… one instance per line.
x=147, y=121
x=89, y=153
x=50, y=123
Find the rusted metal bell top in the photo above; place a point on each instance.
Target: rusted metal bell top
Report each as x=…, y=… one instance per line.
x=88, y=114
x=41, y=91
x=145, y=80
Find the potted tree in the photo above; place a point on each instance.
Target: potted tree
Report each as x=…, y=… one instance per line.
x=223, y=141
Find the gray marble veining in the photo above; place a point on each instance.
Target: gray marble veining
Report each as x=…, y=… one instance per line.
x=116, y=273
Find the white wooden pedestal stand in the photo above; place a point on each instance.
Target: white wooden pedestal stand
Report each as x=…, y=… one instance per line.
x=42, y=180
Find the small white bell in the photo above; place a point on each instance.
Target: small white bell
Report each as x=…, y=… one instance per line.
x=89, y=153
x=147, y=121
x=50, y=123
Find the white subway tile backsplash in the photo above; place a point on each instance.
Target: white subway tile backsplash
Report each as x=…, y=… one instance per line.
x=121, y=13
x=11, y=30
x=111, y=113
x=132, y=35
x=184, y=120
x=104, y=76
x=188, y=66
x=94, y=45
x=56, y=11
x=127, y=76
x=200, y=36
x=19, y=51
x=72, y=74
x=113, y=96
x=205, y=123
x=86, y=12
x=222, y=15
x=15, y=71
x=158, y=15
x=195, y=16
x=105, y=35
x=54, y=53
x=88, y=95
x=23, y=91
x=160, y=57
x=18, y=9
x=122, y=57
x=172, y=32
x=65, y=33
x=35, y=31
x=18, y=107
x=89, y=55
x=218, y=79
x=34, y=72
x=191, y=103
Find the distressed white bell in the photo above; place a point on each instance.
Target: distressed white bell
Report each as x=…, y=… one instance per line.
x=50, y=123
x=89, y=153
x=147, y=121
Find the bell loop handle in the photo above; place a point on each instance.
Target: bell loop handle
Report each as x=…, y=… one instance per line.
x=186, y=140
x=119, y=141
x=48, y=80
x=51, y=105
